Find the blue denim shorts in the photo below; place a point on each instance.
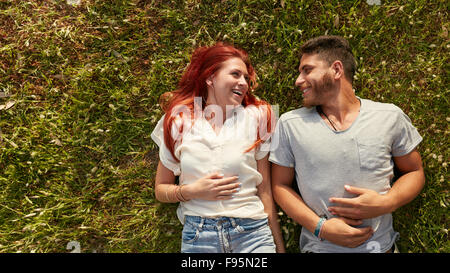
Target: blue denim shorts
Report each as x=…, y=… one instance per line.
x=226, y=235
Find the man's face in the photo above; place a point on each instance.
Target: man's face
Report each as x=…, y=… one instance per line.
x=315, y=80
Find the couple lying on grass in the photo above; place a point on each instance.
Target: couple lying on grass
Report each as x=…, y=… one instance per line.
x=234, y=161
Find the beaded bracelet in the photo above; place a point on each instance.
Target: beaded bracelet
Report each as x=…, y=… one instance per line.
x=319, y=227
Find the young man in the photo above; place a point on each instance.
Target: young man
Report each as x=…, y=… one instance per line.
x=342, y=150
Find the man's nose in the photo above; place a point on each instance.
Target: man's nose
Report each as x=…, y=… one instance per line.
x=299, y=81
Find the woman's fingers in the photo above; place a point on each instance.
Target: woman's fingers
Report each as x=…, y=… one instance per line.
x=228, y=190
x=226, y=181
x=215, y=187
x=226, y=187
x=215, y=175
x=229, y=187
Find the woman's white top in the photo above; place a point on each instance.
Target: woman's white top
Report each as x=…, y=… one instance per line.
x=201, y=152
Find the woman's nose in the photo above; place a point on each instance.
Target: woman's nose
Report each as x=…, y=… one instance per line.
x=243, y=81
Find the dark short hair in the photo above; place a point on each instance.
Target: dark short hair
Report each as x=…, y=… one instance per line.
x=331, y=48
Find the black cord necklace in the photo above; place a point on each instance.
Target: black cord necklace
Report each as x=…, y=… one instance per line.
x=319, y=109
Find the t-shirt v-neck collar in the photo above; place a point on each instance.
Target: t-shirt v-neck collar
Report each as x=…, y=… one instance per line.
x=322, y=121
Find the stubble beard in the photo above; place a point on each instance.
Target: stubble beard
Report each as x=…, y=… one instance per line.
x=320, y=91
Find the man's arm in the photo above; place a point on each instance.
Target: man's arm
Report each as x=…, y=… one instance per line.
x=289, y=200
x=335, y=230
x=412, y=181
x=370, y=204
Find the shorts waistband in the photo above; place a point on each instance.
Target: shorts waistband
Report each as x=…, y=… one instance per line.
x=211, y=223
x=222, y=222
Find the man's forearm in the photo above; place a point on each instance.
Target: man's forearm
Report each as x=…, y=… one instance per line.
x=405, y=189
x=295, y=207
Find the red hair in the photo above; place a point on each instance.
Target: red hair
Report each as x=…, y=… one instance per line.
x=206, y=61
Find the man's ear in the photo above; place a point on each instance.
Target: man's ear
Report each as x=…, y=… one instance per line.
x=338, y=69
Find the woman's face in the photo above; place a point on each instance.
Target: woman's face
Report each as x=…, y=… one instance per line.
x=229, y=84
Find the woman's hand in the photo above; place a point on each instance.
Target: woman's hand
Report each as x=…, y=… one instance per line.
x=212, y=187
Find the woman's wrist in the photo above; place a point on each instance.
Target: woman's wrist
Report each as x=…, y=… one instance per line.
x=183, y=197
x=186, y=191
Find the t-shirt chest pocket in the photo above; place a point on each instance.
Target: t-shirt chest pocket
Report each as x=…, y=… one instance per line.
x=373, y=153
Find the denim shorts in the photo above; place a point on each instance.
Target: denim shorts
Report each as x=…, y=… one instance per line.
x=226, y=235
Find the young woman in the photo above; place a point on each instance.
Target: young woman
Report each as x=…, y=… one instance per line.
x=214, y=136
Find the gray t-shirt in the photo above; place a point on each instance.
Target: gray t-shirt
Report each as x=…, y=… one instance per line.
x=326, y=160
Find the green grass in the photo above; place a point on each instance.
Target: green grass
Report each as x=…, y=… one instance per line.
x=81, y=84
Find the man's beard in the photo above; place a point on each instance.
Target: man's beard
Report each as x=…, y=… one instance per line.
x=319, y=91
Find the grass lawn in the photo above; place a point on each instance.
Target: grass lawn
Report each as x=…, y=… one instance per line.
x=79, y=90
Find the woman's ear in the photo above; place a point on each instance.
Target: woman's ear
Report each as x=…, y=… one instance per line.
x=209, y=81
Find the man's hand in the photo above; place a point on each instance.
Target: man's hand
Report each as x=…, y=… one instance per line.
x=368, y=204
x=339, y=231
